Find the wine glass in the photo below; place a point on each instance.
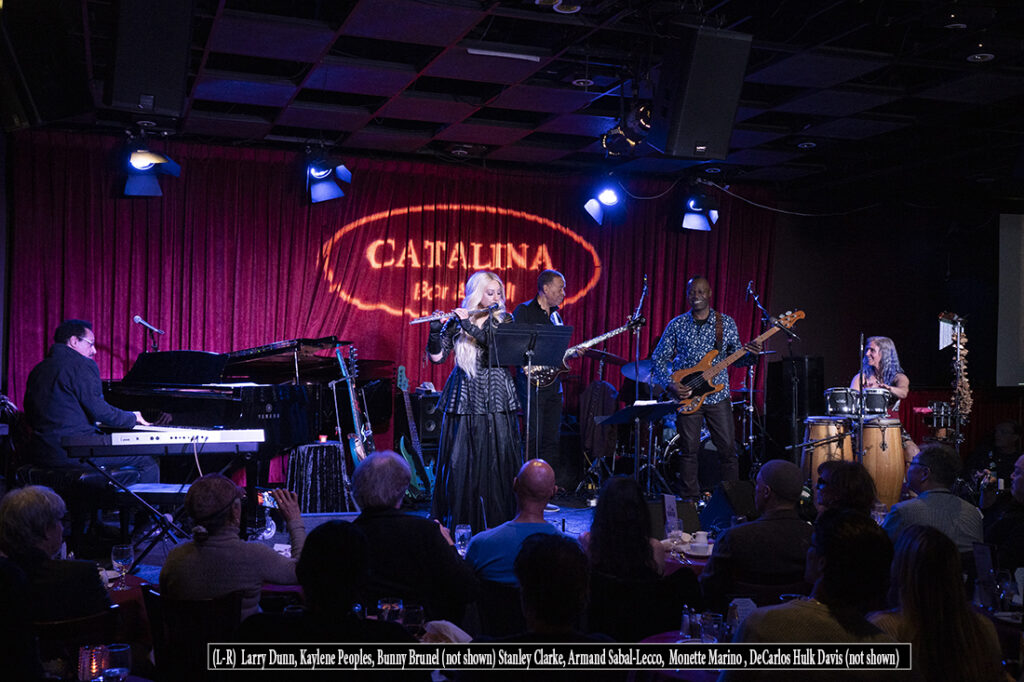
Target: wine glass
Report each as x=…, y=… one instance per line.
x=121, y=557
x=389, y=609
x=119, y=663
x=1007, y=590
x=463, y=532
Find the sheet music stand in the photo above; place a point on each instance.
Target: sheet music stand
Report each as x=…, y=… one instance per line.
x=528, y=345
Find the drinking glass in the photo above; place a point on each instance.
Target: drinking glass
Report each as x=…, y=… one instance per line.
x=389, y=609
x=463, y=532
x=92, y=661
x=121, y=556
x=119, y=663
x=413, y=620
x=710, y=627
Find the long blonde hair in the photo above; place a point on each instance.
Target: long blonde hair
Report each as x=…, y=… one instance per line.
x=467, y=351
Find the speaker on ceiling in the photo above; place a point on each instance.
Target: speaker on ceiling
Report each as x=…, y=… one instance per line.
x=151, y=63
x=697, y=93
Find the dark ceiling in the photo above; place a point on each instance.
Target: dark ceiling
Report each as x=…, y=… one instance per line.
x=840, y=97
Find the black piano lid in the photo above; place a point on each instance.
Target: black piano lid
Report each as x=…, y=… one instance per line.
x=177, y=367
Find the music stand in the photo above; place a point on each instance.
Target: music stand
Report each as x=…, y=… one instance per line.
x=644, y=411
x=528, y=345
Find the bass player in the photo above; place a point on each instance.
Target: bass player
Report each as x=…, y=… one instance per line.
x=687, y=339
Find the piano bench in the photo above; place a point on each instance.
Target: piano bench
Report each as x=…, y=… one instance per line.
x=156, y=494
x=85, y=492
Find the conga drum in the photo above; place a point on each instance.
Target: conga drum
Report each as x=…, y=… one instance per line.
x=883, y=458
x=836, y=434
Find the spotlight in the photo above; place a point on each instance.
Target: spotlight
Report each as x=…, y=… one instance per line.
x=605, y=203
x=142, y=166
x=701, y=212
x=628, y=133
x=322, y=174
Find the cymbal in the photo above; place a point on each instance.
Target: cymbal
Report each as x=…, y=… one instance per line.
x=631, y=370
x=609, y=358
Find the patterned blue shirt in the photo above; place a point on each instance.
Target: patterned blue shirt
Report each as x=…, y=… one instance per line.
x=685, y=343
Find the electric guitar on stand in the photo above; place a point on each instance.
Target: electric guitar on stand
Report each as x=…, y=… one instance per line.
x=699, y=377
x=360, y=442
x=542, y=376
x=423, y=475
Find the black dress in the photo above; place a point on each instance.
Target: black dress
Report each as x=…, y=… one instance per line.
x=480, y=452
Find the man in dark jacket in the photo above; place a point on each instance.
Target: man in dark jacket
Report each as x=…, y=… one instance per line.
x=411, y=558
x=64, y=397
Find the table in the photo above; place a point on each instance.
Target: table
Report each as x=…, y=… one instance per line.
x=695, y=564
x=134, y=628
x=670, y=637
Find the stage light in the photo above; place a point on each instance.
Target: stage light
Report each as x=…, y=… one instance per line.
x=606, y=201
x=322, y=174
x=701, y=212
x=624, y=137
x=141, y=165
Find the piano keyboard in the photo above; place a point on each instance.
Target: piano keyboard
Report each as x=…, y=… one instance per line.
x=163, y=441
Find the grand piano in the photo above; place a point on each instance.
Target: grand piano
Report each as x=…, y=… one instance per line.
x=283, y=388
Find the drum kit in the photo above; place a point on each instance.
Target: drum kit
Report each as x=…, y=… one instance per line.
x=833, y=436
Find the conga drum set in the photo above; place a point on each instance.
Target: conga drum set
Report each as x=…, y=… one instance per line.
x=834, y=436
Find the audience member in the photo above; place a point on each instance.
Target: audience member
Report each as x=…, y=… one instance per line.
x=619, y=541
x=848, y=563
x=1004, y=522
x=217, y=561
x=934, y=615
x=553, y=577
x=930, y=474
x=334, y=563
x=18, y=648
x=846, y=485
x=629, y=598
x=31, y=535
x=825, y=470
x=769, y=551
x=411, y=557
x=493, y=552
x=995, y=461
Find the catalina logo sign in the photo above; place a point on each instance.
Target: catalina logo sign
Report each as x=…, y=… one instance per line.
x=379, y=256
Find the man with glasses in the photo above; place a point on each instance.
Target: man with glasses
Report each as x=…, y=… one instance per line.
x=931, y=474
x=64, y=397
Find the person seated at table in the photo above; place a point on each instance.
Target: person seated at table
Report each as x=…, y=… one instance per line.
x=848, y=564
x=411, y=557
x=629, y=598
x=619, y=541
x=217, y=561
x=931, y=474
x=31, y=535
x=769, y=551
x=18, y=647
x=934, y=615
x=845, y=485
x=492, y=552
x=1004, y=522
x=334, y=563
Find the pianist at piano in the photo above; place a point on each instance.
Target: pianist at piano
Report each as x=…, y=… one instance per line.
x=64, y=397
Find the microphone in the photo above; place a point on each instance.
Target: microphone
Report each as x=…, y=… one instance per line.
x=750, y=286
x=147, y=325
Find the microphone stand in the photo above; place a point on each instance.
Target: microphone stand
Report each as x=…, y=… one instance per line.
x=636, y=383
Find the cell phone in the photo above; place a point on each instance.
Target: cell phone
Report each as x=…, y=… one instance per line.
x=265, y=499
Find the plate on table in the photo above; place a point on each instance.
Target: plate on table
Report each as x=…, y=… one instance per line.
x=700, y=553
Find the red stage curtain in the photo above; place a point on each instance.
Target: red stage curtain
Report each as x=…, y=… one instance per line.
x=234, y=256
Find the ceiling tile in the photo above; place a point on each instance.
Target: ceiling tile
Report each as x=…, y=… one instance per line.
x=579, y=124
x=835, y=103
x=457, y=63
x=311, y=115
x=425, y=106
x=375, y=137
x=815, y=70
x=536, y=98
x=221, y=125
x=853, y=128
x=259, y=35
x=407, y=20
x=484, y=133
x=243, y=89
x=361, y=76
x=979, y=88
x=527, y=153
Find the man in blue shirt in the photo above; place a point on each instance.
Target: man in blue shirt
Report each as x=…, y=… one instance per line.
x=687, y=339
x=493, y=552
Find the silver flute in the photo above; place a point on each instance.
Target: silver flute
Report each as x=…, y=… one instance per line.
x=445, y=316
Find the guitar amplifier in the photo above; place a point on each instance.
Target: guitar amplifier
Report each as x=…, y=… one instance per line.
x=428, y=421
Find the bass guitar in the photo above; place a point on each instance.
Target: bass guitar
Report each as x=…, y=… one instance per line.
x=699, y=377
x=423, y=475
x=543, y=376
x=360, y=442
